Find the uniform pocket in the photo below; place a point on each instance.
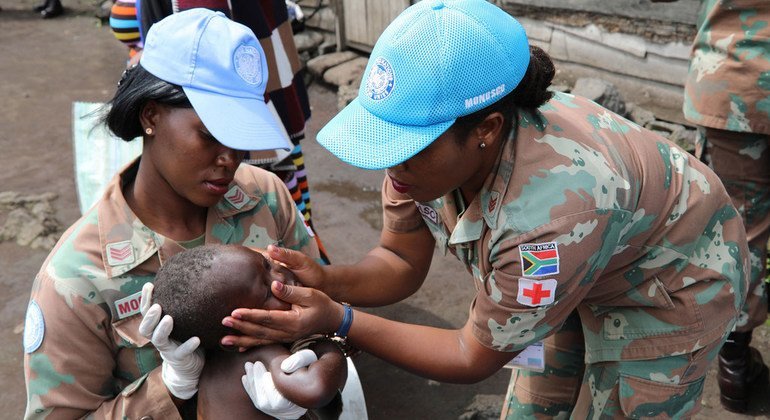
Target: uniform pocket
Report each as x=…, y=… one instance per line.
x=643, y=398
x=127, y=332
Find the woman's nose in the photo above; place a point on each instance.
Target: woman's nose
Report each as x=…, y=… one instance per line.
x=230, y=157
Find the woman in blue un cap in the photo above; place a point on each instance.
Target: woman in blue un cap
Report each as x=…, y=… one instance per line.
x=94, y=346
x=582, y=231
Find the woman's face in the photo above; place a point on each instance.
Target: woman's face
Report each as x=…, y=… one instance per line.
x=185, y=159
x=445, y=165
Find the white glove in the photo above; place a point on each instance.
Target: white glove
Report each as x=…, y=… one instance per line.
x=300, y=359
x=259, y=385
x=182, y=364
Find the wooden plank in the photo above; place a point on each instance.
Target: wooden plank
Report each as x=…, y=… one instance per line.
x=682, y=11
x=365, y=20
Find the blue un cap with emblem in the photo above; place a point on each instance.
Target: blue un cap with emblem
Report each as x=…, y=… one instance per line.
x=437, y=61
x=222, y=69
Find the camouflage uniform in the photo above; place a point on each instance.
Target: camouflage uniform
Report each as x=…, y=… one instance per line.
x=586, y=211
x=83, y=353
x=727, y=94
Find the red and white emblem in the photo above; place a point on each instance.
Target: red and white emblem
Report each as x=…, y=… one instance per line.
x=536, y=292
x=120, y=253
x=236, y=197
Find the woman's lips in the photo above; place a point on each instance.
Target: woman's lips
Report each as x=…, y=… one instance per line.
x=400, y=187
x=217, y=186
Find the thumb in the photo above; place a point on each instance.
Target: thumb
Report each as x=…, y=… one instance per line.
x=296, y=295
x=289, y=258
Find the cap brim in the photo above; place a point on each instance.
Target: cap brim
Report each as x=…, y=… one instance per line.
x=238, y=123
x=362, y=139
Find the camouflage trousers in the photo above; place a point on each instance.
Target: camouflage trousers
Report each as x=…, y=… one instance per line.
x=667, y=387
x=742, y=161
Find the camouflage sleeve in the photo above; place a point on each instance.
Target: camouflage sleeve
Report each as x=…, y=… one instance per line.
x=70, y=360
x=537, y=279
x=293, y=230
x=399, y=212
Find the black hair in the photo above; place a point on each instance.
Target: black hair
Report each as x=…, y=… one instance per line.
x=135, y=89
x=190, y=288
x=531, y=92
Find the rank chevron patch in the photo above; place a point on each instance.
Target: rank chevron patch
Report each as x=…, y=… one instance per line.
x=539, y=259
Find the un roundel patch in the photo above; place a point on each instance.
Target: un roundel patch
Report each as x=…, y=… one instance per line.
x=248, y=64
x=34, y=327
x=380, y=82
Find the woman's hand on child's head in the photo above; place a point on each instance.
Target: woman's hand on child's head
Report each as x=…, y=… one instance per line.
x=312, y=312
x=306, y=270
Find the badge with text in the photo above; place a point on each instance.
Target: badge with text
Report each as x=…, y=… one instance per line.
x=536, y=292
x=120, y=253
x=531, y=358
x=236, y=197
x=428, y=212
x=34, y=328
x=129, y=305
x=539, y=259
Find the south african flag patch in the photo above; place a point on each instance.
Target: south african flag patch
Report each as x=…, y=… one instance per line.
x=539, y=259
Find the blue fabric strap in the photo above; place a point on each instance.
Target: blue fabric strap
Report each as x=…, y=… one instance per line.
x=347, y=320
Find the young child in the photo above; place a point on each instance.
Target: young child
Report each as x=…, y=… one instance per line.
x=202, y=285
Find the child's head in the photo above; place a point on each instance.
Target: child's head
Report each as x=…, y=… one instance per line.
x=201, y=286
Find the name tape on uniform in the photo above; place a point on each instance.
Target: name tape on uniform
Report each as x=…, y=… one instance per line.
x=129, y=305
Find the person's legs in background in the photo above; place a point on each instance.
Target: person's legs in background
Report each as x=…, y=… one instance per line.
x=742, y=161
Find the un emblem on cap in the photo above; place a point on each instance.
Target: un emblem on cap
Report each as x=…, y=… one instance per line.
x=379, y=84
x=248, y=64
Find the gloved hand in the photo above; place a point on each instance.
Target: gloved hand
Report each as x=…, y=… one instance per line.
x=182, y=364
x=258, y=383
x=300, y=359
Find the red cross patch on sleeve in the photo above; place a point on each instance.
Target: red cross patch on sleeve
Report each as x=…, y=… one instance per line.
x=536, y=292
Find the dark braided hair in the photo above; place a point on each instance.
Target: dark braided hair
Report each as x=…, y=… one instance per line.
x=137, y=86
x=531, y=92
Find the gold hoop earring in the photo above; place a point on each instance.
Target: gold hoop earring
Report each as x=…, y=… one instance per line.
x=148, y=131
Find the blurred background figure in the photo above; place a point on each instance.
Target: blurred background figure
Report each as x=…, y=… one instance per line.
x=49, y=9
x=727, y=94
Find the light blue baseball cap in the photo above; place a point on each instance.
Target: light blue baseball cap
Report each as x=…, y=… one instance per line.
x=222, y=68
x=437, y=61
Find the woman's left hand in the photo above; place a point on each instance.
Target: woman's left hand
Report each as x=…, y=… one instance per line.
x=312, y=312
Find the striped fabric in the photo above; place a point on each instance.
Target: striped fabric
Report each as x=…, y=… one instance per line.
x=125, y=25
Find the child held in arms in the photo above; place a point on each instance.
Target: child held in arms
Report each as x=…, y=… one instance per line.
x=202, y=285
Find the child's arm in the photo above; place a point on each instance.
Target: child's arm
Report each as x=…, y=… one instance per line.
x=313, y=386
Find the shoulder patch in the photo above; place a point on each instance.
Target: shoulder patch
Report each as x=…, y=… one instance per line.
x=236, y=197
x=120, y=253
x=536, y=292
x=34, y=327
x=539, y=259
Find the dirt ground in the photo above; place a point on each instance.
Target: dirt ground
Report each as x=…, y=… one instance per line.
x=46, y=65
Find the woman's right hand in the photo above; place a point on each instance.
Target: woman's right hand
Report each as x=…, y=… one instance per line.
x=307, y=270
x=312, y=312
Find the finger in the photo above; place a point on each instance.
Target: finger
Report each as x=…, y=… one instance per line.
x=146, y=299
x=258, y=369
x=287, y=257
x=300, y=359
x=150, y=321
x=264, y=332
x=244, y=341
x=296, y=295
x=162, y=331
x=188, y=347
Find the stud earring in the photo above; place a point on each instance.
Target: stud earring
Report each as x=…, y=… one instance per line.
x=148, y=131
x=482, y=145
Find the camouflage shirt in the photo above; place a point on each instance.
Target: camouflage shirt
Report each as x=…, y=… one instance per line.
x=83, y=353
x=586, y=210
x=728, y=86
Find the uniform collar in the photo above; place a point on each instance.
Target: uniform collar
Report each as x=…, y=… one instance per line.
x=125, y=241
x=488, y=202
